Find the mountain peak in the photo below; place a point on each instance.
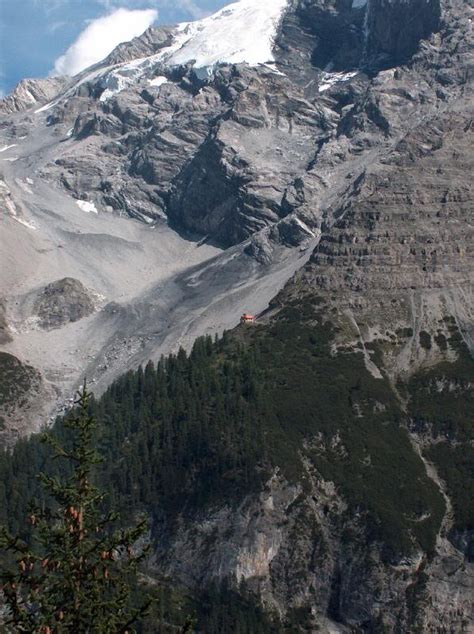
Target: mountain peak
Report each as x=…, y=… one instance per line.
x=240, y=32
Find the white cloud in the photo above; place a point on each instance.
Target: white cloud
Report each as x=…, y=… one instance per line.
x=101, y=36
x=55, y=26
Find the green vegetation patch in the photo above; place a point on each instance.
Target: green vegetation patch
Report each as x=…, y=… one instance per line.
x=442, y=405
x=442, y=398
x=425, y=340
x=361, y=444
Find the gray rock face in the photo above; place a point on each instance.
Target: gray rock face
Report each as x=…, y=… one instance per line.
x=30, y=92
x=403, y=242
x=149, y=43
x=62, y=302
x=200, y=155
x=394, y=33
x=22, y=398
x=292, y=549
x=352, y=35
x=216, y=156
x=322, y=35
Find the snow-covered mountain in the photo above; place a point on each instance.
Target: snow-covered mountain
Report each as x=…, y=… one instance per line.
x=322, y=147
x=242, y=32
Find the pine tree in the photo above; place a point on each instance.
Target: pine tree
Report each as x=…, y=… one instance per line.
x=78, y=573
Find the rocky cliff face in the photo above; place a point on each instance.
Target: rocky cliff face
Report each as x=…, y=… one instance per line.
x=404, y=246
x=352, y=35
x=394, y=30
x=200, y=146
x=313, y=562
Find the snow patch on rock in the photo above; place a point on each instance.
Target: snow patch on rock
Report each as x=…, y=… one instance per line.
x=87, y=206
x=46, y=107
x=158, y=81
x=330, y=79
x=25, y=223
x=305, y=227
x=123, y=76
x=7, y=147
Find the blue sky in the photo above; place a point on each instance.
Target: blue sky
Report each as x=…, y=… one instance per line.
x=35, y=33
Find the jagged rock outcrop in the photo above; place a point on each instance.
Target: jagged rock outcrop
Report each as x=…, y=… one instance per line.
x=30, y=92
x=22, y=399
x=149, y=43
x=204, y=166
x=62, y=302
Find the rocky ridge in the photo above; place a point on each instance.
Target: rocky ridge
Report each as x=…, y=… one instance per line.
x=31, y=92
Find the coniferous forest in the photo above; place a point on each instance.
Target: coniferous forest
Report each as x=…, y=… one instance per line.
x=197, y=429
